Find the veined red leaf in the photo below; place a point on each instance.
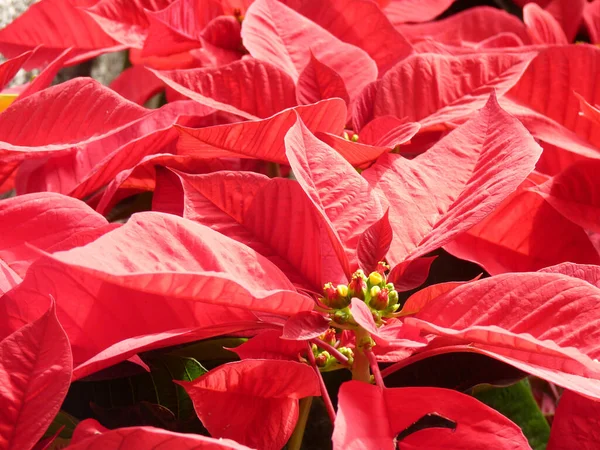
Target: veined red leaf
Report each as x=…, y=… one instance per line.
x=245, y=402
x=145, y=438
x=35, y=373
x=371, y=417
x=575, y=423
x=472, y=25
x=568, y=14
x=485, y=168
x=125, y=20
x=419, y=299
x=469, y=81
x=403, y=11
x=277, y=34
x=261, y=139
x=505, y=241
x=591, y=18
x=374, y=243
x=39, y=25
x=43, y=221
x=317, y=81
x=542, y=27
x=46, y=77
x=51, y=120
x=344, y=199
x=269, y=345
x=575, y=194
x=587, y=272
x=549, y=83
x=136, y=84
x=543, y=323
x=172, y=292
x=247, y=207
x=411, y=274
x=249, y=88
x=304, y=326
x=360, y=23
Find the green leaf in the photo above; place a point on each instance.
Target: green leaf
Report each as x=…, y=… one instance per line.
x=62, y=419
x=517, y=403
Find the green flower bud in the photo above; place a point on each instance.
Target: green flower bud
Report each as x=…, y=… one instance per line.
x=393, y=298
x=322, y=358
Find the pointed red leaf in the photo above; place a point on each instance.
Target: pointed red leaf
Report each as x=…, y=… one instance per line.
x=318, y=81
x=591, y=18
x=411, y=274
x=374, y=243
x=246, y=402
x=542, y=323
x=136, y=84
x=51, y=120
x=589, y=111
x=248, y=88
x=269, y=345
x=39, y=25
x=174, y=274
x=548, y=87
x=575, y=194
x=371, y=417
x=569, y=13
x=465, y=176
x=419, y=299
x=344, y=199
x=411, y=89
x=9, y=68
x=247, y=207
x=542, y=27
x=125, y=20
x=304, y=326
x=473, y=25
x=35, y=373
x=46, y=77
x=41, y=221
x=277, y=34
x=360, y=23
x=261, y=139
x=402, y=11
x=95, y=436
x=504, y=240
x=576, y=423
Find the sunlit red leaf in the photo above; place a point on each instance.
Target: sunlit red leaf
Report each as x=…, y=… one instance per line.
x=249, y=88
x=35, y=373
x=8, y=278
x=277, y=34
x=344, y=199
x=38, y=25
x=412, y=89
x=569, y=13
x=411, y=274
x=374, y=243
x=456, y=183
x=9, y=68
x=144, y=438
x=269, y=345
x=136, y=84
x=403, y=11
x=318, y=81
x=371, y=417
x=245, y=402
x=587, y=272
x=41, y=221
x=304, y=326
x=261, y=139
x=542, y=26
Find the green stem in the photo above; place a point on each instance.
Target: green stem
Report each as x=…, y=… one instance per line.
x=360, y=368
x=295, y=441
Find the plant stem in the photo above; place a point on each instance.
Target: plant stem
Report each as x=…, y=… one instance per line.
x=324, y=393
x=295, y=441
x=375, y=368
x=360, y=368
x=273, y=170
x=332, y=350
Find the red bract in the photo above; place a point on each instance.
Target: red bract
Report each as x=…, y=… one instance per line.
x=237, y=399
x=35, y=372
x=575, y=423
x=371, y=417
x=145, y=438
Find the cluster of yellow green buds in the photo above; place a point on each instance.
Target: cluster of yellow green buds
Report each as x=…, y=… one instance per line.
x=374, y=290
x=323, y=358
x=353, y=138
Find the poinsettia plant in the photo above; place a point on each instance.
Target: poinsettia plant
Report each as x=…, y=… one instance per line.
x=347, y=224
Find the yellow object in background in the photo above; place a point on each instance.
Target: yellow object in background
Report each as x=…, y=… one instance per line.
x=6, y=100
